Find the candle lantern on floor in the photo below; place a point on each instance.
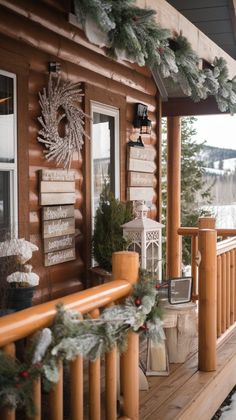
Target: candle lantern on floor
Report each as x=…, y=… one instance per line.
x=144, y=236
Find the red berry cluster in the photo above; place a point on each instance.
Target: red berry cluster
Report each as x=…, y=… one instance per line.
x=138, y=301
x=24, y=373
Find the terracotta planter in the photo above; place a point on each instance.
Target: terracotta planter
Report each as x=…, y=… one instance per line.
x=99, y=276
x=19, y=298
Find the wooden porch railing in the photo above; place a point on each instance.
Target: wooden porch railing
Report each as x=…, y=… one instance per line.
x=226, y=285
x=214, y=285
x=24, y=323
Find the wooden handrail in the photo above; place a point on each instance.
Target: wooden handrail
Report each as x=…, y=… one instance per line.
x=21, y=324
x=192, y=231
x=187, y=231
x=24, y=323
x=226, y=245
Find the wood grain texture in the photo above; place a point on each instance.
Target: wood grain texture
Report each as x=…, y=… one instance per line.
x=142, y=153
x=57, y=186
x=186, y=393
x=59, y=257
x=139, y=193
x=47, y=199
x=139, y=179
x=58, y=243
x=57, y=175
x=141, y=165
x=125, y=84
x=57, y=212
x=58, y=227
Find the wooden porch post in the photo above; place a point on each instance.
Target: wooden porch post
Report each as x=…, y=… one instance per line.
x=173, y=246
x=207, y=300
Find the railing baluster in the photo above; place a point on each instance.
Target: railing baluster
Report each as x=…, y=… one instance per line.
x=37, y=399
x=95, y=383
x=56, y=397
x=111, y=384
x=227, y=290
x=22, y=325
x=76, y=389
x=219, y=292
x=127, y=268
x=194, y=248
x=130, y=378
x=232, y=287
x=7, y=413
x=223, y=295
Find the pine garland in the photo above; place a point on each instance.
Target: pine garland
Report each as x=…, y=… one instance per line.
x=131, y=33
x=71, y=335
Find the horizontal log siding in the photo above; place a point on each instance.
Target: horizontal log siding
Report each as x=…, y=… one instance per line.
x=38, y=43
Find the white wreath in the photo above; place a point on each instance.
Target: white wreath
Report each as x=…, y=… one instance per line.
x=61, y=95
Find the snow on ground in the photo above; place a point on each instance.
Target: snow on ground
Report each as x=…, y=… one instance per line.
x=229, y=411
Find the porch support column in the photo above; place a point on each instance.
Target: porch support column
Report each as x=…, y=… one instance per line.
x=173, y=246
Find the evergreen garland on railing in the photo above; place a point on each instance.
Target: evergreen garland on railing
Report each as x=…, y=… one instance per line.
x=129, y=32
x=71, y=335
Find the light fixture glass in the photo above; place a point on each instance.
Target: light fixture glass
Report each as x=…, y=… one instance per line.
x=146, y=126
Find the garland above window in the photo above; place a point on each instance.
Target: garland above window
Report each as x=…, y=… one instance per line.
x=129, y=32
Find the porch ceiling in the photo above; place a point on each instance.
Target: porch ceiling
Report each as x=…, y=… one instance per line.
x=171, y=18
x=215, y=18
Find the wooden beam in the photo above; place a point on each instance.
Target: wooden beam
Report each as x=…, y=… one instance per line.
x=186, y=106
x=173, y=250
x=232, y=13
x=168, y=17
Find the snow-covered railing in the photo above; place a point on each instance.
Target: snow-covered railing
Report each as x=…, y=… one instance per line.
x=24, y=323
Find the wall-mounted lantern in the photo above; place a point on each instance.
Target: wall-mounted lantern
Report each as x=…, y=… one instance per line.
x=141, y=122
x=144, y=236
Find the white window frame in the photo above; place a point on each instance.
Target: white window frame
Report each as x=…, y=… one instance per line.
x=112, y=112
x=12, y=167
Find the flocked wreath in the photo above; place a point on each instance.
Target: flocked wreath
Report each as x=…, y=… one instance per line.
x=131, y=33
x=60, y=104
x=71, y=335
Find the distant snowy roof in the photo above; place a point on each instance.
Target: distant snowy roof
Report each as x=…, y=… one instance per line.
x=213, y=171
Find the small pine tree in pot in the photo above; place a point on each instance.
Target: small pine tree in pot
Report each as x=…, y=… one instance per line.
x=108, y=235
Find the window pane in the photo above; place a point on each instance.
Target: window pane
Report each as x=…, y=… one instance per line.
x=103, y=155
x=6, y=119
x=4, y=203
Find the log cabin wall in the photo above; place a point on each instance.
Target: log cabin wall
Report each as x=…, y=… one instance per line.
x=32, y=34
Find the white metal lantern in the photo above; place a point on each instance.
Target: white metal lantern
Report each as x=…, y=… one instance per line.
x=144, y=236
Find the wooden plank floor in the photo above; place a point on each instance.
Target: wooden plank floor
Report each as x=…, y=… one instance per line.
x=187, y=394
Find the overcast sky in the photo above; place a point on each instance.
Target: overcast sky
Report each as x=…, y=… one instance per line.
x=217, y=130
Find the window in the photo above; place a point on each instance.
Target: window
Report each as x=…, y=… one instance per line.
x=105, y=156
x=8, y=155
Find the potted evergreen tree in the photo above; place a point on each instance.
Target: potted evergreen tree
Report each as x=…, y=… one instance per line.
x=108, y=235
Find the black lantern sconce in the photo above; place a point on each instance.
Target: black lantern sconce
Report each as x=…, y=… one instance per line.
x=141, y=121
x=54, y=67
